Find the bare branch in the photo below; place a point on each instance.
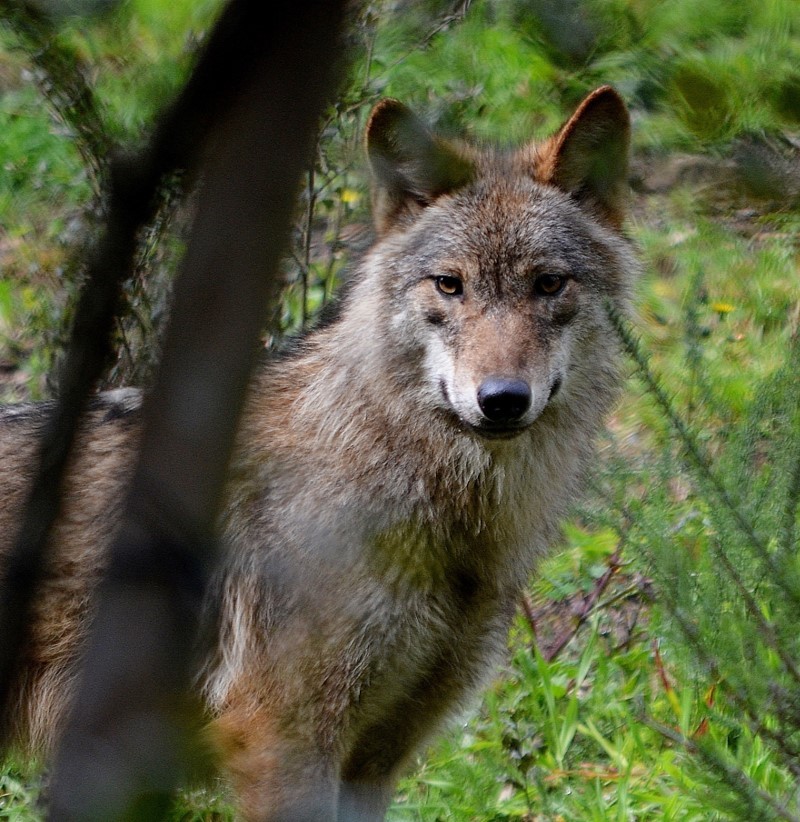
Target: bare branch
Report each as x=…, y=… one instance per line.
x=138, y=665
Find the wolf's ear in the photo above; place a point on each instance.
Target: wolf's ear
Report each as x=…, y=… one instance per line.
x=411, y=167
x=588, y=157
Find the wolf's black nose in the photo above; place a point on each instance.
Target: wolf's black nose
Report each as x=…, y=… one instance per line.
x=504, y=400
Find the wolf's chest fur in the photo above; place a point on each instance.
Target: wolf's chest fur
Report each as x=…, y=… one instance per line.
x=430, y=541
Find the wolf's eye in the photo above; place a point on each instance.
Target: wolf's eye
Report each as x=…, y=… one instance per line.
x=548, y=285
x=449, y=286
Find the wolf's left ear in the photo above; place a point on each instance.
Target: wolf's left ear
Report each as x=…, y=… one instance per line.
x=411, y=167
x=588, y=157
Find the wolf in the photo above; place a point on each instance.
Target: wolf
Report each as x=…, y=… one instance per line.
x=396, y=476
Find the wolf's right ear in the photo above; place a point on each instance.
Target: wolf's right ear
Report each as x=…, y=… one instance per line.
x=411, y=167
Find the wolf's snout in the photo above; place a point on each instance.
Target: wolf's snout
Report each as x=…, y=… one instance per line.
x=503, y=400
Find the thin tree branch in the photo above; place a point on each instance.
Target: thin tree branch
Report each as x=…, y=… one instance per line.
x=230, y=53
x=138, y=665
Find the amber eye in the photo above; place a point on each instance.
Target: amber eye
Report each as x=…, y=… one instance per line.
x=449, y=286
x=548, y=285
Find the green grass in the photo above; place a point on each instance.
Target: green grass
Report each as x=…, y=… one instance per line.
x=19, y=791
x=577, y=737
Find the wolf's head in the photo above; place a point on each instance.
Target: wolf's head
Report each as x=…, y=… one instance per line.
x=493, y=267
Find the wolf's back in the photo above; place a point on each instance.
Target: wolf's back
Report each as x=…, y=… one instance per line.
x=90, y=507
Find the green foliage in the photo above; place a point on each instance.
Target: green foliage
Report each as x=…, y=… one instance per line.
x=725, y=558
x=141, y=54
x=104, y=82
x=19, y=791
x=563, y=739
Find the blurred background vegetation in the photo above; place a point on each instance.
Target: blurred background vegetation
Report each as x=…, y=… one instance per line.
x=654, y=672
